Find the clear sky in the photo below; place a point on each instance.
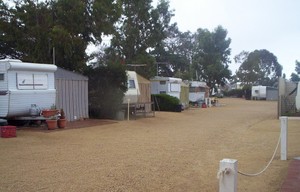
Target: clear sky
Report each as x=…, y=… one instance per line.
x=251, y=24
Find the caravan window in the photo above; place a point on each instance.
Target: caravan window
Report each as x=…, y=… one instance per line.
x=2, y=77
x=131, y=84
x=197, y=89
x=175, y=87
x=32, y=81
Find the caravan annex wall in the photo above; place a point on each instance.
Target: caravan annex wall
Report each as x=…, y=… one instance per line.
x=23, y=84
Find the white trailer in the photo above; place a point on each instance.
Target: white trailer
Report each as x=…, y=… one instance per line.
x=197, y=91
x=133, y=92
x=23, y=85
x=259, y=92
x=167, y=85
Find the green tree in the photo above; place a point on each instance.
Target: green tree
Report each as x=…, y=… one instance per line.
x=173, y=56
x=211, y=56
x=140, y=29
x=259, y=67
x=295, y=76
x=8, y=33
x=67, y=25
x=107, y=85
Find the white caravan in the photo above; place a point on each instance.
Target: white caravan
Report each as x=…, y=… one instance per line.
x=133, y=91
x=197, y=91
x=167, y=85
x=23, y=85
x=259, y=92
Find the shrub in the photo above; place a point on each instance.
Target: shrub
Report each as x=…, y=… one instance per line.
x=164, y=102
x=107, y=85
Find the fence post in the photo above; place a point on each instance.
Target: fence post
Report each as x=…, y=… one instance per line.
x=283, y=137
x=128, y=109
x=228, y=175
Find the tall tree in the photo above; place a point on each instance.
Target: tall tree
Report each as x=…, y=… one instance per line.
x=295, y=76
x=259, y=67
x=67, y=25
x=8, y=32
x=211, y=56
x=140, y=29
x=173, y=56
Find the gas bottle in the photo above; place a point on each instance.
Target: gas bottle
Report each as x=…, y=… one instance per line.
x=34, y=110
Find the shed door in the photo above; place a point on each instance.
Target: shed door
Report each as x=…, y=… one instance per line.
x=4, y=94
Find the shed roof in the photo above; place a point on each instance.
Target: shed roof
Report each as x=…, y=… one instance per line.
x=65, y=74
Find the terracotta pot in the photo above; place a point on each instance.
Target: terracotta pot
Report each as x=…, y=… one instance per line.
x=51, y=124
x=61, y=123
x=49, y=112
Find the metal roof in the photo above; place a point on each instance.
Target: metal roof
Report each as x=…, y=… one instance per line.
x=65, y=74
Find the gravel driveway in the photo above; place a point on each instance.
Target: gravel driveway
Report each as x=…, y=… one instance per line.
x=168, y=152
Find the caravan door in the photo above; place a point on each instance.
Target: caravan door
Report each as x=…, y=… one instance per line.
x=4, y=93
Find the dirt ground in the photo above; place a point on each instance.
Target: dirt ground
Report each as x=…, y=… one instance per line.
x=168, y=152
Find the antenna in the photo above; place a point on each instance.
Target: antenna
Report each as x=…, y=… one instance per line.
x=136, y=65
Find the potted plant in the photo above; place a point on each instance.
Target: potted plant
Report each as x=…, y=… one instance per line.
x=51, y=122
x=50, y=112
x=62, y=121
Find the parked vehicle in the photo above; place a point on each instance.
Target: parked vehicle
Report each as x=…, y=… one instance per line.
x=133, y=91
x=23, y=85
x=198, y=91
x=167, y=85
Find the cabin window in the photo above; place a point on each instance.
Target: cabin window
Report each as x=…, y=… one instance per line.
x=1, y=76
x=162, y=92
x=32, y=81
x=193, y=89
x=131, y=84
x=162, y=82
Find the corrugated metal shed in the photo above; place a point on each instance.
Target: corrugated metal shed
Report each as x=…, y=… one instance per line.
x=272, y=94
x=72, y=94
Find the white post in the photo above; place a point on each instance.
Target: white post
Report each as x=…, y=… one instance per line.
x=228, y=175
x=128, y=107
x=283, y=137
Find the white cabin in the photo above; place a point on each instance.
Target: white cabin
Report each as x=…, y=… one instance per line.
x=167, y=85
x=197, y=91
x=133, y=91
x=23, y=85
